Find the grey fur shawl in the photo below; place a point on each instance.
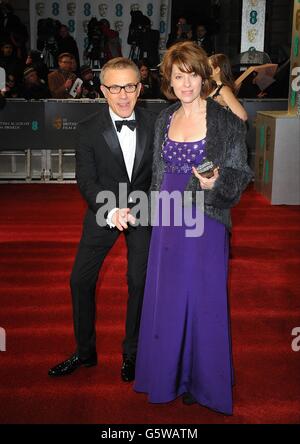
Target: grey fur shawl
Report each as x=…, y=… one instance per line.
x=225, y=146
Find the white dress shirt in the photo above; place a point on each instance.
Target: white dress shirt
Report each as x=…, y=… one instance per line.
x=127, y=140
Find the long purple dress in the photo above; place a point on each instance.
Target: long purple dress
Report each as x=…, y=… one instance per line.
x=184, y=342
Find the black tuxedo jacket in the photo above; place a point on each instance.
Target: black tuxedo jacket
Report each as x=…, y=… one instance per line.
x=100, y=164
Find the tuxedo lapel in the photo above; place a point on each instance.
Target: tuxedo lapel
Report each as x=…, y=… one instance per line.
x=112, y=140
x=141, y=141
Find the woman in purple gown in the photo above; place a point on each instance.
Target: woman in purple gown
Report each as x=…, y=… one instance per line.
x=184, y=342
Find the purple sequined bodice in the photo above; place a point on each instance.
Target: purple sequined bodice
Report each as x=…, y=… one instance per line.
x=179, y=157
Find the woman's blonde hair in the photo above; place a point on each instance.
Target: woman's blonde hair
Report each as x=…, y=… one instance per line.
x=189, y=57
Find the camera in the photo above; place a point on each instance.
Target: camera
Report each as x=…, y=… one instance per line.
x=144, y=41
x=95, y=51
x=47, y=30
x=137, y=27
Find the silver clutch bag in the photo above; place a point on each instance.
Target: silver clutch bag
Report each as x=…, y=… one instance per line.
x=206, y=169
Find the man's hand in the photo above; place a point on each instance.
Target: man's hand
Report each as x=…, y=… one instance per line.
x=122, y=217
x=68, y=83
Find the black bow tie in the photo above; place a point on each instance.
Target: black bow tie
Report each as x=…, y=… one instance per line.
x=130, y=123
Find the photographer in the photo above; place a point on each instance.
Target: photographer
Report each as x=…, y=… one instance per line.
x=48, y=30
x=144, y=41
x=9, y=61
x=13, y=29
x=33, y=87
x=35, y=58
x=203, y=40
x=91, y=84
x=135, y=34
x=60, y=81
x=66, y=43
x=182, y=32
x=104, y=43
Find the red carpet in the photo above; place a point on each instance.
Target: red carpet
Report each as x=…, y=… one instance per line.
x=40, y=227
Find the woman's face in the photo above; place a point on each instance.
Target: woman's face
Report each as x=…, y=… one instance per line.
x=214, y=71
x=186, y=86
x=144, y=72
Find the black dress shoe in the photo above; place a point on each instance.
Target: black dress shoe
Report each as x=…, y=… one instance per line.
x=188, y=399
x=128, y=369
x=70, y=365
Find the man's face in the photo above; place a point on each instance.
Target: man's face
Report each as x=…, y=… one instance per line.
x=87, y=75
x=73, y=65
x=119, y=25
x=66, y=64
x=7, y=50
x=123, y=103
x=32, y=78
x=201, y=31
x=63, y=32
x=181, y=21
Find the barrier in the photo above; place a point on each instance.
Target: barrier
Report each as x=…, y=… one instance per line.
x=49, y=124
x=48, y=129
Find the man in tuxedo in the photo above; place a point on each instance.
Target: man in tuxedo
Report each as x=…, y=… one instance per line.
x=203, y=39
x=115, y=146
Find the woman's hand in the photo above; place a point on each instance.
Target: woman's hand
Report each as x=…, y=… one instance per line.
x=206, y=184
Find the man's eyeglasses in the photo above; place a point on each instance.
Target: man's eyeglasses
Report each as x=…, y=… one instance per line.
x=116, y=89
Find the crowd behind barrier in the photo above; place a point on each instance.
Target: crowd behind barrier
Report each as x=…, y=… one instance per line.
x=30, y=75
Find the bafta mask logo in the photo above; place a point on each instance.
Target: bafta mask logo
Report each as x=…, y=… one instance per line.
x=71, y=8
x=85, y=24
x=252, y=35
x=163, y=10
x=134, y=7
x=119, y=25
x=162, y=44
x=40, y=8
x=102, y=9
x=57, y=122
